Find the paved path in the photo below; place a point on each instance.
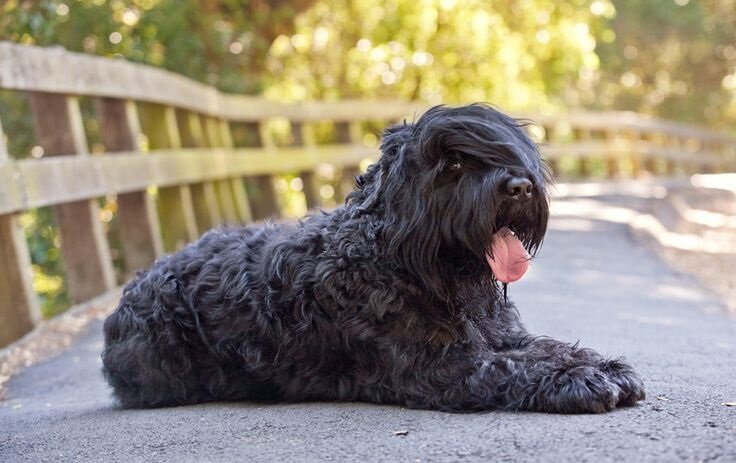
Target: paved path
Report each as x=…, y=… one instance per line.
x=591, y=282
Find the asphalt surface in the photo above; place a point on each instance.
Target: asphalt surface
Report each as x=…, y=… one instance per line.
x=591, y=283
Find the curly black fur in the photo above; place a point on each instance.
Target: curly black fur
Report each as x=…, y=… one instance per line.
x=387, y=299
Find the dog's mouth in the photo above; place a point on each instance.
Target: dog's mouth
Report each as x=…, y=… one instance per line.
x=507, y=256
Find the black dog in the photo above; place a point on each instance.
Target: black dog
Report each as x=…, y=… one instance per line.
x=396, y=297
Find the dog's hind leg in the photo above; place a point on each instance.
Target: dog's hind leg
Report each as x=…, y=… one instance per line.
x=143, y=369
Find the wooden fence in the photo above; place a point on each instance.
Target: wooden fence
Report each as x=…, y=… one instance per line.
x=182, y=158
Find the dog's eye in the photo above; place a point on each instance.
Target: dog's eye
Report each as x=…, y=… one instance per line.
x=453, y=166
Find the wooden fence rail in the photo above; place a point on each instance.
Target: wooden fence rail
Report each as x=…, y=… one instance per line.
x=181, y=157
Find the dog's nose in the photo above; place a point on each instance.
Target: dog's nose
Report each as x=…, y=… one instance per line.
x=519, y=188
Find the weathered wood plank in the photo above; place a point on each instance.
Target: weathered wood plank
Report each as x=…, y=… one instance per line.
x=19, y=308
x=348, y=133
x=56, y=70
x=140, y=229
x=226, y=200
x=175, y=206
x=60, y=179
x=645, y=149
x=584, y=135
x=84, y=246
x=627, y=121
x=261, y=191
x=638, y=165
x=613, y=163
x=225, y=197
x=672, y=166
x=242, y=205
x=206, y=209
x=549, y=138
x=68, y=178
x=204, y=196
x=11, y=197
x=309, y=179
x=650, y=165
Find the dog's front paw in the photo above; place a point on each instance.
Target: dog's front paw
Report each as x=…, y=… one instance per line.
x=620, y=373
x=582, y=389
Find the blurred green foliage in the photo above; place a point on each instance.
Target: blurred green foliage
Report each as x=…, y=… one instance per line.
x=48, y=270
x=518, y=55
x=221, y=42
x=672, y=58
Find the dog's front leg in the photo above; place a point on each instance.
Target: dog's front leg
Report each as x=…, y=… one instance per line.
x=577, y=366
x=544, y=375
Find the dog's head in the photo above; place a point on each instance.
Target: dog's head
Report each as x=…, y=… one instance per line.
x=459, y=192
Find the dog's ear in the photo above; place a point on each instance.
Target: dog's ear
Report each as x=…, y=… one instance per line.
x=396, y=143
x=439, y=139
x=369, y=187
x=396, y=139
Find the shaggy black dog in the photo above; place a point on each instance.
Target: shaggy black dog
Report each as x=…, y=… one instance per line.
x=396, y=297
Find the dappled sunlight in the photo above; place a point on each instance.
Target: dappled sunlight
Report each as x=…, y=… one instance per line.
x=686, y=242
x=710, y=219
x=718, y=181
x=601, y=210
x=572, y=224
x=701, y=216
x=592, y=209
x=649, y=320
x=691, y=226
x=636, y=188
x=615, y=280
x=678, y=291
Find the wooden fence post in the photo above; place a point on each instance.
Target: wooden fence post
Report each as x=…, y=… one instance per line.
x=309, y=180
x=708, y=151
x=722, y=154
x=553, y=162
x=84, y=245
x=633, y=142
x=140, y=230
x=728, y=156
x=242, y=205
x=584, y=161
x=612, y=160
x=347, y=133
x=652, y=140
x=222, y=187
x=261, y=192
x=175, y=208
x=204, y=196
x=19, y=309
x=672, y=141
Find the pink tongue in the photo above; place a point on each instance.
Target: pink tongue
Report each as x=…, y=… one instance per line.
x=508, y=258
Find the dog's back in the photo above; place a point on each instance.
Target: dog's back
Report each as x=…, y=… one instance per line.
x=157, y=350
